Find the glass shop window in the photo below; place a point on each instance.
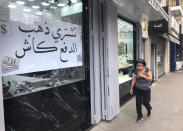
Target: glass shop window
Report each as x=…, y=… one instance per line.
x=126, y=50
x=160, y=59
x=41, y=45
x=178, y=53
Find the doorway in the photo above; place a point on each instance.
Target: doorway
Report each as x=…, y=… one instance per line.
x=153, y=60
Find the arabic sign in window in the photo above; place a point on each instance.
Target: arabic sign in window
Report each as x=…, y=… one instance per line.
x=38, y=45
x=40, y=51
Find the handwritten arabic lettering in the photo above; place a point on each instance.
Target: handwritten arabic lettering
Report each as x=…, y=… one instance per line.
x=73, y=49
x=62, y=37
x=65, y=49
x=42, y=49
x=48, y=30
x=42, y=46
x=24, y=50
x=58, y=34
x=28, y=48
x=67, y=35
x=40, y=29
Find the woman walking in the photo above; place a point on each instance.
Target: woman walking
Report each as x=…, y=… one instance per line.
x=142, y=82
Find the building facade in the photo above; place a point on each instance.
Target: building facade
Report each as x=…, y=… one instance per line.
x=68, y=64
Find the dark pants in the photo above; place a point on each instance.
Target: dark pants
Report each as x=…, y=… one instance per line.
x=143, y=96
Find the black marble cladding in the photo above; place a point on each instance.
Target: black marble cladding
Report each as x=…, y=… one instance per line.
x=49, y=110
x=124, y=92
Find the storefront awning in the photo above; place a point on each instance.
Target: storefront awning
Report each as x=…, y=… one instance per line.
x=177, y=11
x=173, y=39
x=143, y=9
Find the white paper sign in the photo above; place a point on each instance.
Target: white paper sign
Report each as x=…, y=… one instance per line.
x=34, y=44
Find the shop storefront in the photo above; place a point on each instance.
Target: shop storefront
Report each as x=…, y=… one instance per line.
x=180, y=47
x=127, y=56
x=158, y=56
x=178, y=57
x=175, y=48
x=44, y=57
x=65, y=64
x=174, y=38
x=175, y=54
x=131, y=39
x=158, y=31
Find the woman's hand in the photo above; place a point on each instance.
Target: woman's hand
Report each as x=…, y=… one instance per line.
x=149, y=77
x=131, y=91
x=141, y=75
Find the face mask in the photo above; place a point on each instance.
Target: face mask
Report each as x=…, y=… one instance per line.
x=140, y=68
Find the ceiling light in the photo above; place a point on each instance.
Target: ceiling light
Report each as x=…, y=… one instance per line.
x=31, y=0
x=45, y=4
x=61, y=5
x=39, y=13
x=12, y=6
x=51, y=1
x=20, y=2
x=74, y=1
x=35, y=7
x=26, y=10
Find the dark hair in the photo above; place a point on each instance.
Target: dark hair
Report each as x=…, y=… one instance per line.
x=140, y=61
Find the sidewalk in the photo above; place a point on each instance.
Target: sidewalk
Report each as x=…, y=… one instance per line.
x=167, y=112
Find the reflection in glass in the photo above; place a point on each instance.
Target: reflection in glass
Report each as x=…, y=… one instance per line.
x=16, y=85
x=126, y=50
x=160, y=58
